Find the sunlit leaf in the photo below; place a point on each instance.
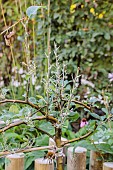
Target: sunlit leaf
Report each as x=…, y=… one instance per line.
x=14, y=109
x=32, y=10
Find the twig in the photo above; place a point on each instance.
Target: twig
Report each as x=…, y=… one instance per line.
x=78, y=102
x=22, y=102
x=20, y=122
x=12, y=25
x=3, y=14
x=27, y=92
x=50, y=118
x=44, y=132
x=79, y=138
x=5, y=153
x=38, y=110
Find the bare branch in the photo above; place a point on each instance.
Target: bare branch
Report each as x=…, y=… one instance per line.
x=12, y=25
x=79, y=138
x=19, y=122
x=5, y=153
x=78, y=102
x=44, y=132
x=22, y=102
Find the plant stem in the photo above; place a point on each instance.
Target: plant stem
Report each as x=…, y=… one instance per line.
x=59, y=160
x=12, y=26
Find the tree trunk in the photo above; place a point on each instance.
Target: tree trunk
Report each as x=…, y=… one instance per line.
x=58, y=144
x=52, y=142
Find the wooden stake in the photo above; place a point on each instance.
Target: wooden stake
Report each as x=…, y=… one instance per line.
x=43, y=164
x=96, y=159
x=108, y=166
x=76, y=160
x=14, y=162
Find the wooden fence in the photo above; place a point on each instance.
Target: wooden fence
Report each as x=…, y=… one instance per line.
x=76, y=160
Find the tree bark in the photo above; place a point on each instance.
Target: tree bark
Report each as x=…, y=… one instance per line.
x=58, y=144
x=52, y=142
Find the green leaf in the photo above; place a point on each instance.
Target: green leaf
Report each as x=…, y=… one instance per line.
x=32, y=10
x=56, y=15
x=93, y=99
x=14, y=109
x=66, y=124
x=30, y=157
x=24, y=111
x=107, y=36
x=32, y=100
x=73, y=116
x=112, y=111
x=14, y=135
x=86, y=144
x=110, y=141
x=27, y=76
x=95, y=115
x=105, y=110
x=70, y=134
x=105, y=147
x=46, y=126
x=39, y=96
x=42, y=140
x=4, y=91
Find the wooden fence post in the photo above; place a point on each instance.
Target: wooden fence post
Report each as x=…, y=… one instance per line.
x=108, y=166
x=14, y=162
x=95, y=162
x=96, y=159
x=76, y=160
x=43, y=164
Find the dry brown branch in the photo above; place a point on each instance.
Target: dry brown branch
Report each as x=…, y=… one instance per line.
x=12, y=25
